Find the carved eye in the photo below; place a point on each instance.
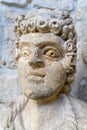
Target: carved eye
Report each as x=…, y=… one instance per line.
x=26, y=52
x=51, y=53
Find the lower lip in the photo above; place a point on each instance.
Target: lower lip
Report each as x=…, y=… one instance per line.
x=37, y=79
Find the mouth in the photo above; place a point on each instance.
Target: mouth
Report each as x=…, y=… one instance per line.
x=36, y=76
x=37, y=73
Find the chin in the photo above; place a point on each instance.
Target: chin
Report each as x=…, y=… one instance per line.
x=38, y=97
x=43, y=90
x=42, y=95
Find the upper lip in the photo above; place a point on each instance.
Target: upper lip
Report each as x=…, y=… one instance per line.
x=40, y=73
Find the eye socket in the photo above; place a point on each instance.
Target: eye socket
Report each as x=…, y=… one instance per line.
x=51, y=53
x=26, y=52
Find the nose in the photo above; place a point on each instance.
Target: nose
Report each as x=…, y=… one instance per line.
x=36, y=63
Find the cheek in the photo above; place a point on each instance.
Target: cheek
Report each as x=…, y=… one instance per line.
x=21, y=66
x=55, y=73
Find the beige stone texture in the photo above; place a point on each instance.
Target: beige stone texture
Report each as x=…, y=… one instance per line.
x=45, y=57
x=9, y=86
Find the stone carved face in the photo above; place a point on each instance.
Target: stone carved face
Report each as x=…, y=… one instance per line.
x=40, y=68
x=45, y=52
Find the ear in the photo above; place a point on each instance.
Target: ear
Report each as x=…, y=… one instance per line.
x=70, y=54
x=67, y=61
x=69, y=46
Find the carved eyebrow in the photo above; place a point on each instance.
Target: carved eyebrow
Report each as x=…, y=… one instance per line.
x=48, y=43
x=24, y=44
x=42, y=44
x=57, y=45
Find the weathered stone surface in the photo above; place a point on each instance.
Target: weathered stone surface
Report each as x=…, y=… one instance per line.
x=10, y=10
x=1, y=35
x=7, y=35
x=10, y=13
x=82, y=91
x=18, y=3
x=54, y=4
x=6, y=28
x=46, y=61
x=9, y=87
x=84, y=52
x=81, y=27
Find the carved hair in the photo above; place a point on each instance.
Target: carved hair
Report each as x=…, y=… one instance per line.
x=55, y=21
x=45, y=20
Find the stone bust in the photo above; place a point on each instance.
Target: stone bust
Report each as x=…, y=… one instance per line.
x=45, y=56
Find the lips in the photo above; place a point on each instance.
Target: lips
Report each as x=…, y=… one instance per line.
x=36, y=76
x=40, y=73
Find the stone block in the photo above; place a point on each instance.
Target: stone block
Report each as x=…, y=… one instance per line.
x=82, y=91
x=54, y=4
x=19, y=3
x=9, y=87
x=81, y=28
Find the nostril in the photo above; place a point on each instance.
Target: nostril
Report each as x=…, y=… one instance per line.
x=36, y=63
x=40, y=64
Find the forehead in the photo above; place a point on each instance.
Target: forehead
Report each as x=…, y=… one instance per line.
x=40, y=38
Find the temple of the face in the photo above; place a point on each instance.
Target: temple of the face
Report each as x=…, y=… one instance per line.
x=45, y=55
